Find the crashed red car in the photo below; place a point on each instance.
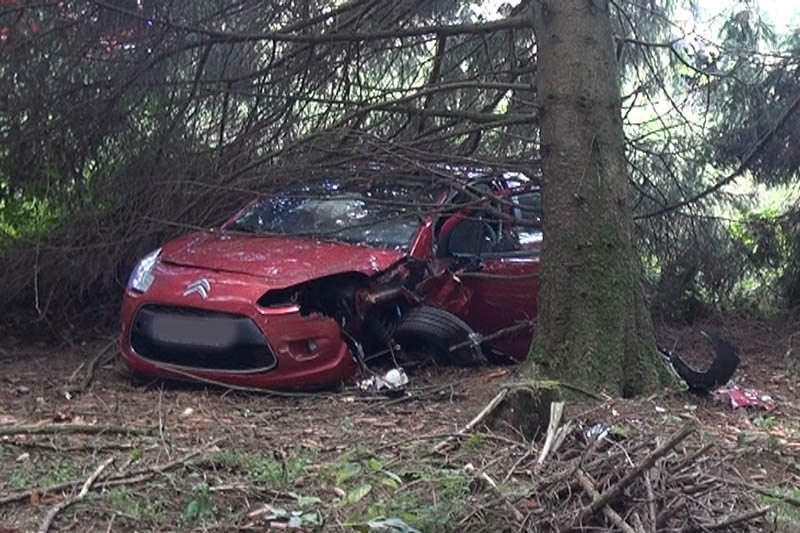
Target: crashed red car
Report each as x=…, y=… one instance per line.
x=302, y=288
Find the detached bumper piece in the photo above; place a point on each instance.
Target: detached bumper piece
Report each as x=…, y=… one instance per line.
x=725, y=362
x=200, y=340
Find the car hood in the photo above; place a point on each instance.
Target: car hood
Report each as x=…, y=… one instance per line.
x=283, y=261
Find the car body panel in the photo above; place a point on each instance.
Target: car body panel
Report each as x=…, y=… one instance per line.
x=504, y=294
x=286, y=330
x=281, y=261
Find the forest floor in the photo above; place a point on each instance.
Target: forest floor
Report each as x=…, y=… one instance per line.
x=209, y=459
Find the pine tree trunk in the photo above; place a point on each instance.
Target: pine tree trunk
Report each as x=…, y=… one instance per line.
x=594, y=326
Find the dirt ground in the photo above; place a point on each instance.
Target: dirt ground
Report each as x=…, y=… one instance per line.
x=194, y=458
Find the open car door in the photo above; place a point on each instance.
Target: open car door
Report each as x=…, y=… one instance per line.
x=495, y=255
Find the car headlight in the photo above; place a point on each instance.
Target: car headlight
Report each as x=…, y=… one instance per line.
x=142, y=276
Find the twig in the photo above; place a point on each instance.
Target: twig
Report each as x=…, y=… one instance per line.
x=491, y=406
x=161, y=421
x=137, y=476
x=561, y=436
x=761, y=490
x=482, y=339
x=50, y=516
x=616, y=489
x=518, y=516
x=588, y=486
x=651, y=501
x=93, y=362
x=734, y=520
x=691, y=459
x=40, y=429
x=66, y=449
x=671, y=509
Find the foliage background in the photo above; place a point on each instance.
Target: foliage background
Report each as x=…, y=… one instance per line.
x=124, y=123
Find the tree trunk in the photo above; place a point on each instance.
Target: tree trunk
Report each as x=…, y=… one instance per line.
x=594, y=326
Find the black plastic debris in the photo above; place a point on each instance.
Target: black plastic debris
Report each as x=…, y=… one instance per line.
x=719, y=373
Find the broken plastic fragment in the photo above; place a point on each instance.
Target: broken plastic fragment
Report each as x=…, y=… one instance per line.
x=394, y=380
x=596, y=432
x=740, y=397
x=390, y=525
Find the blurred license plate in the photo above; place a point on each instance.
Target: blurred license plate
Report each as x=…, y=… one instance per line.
x=194, y=331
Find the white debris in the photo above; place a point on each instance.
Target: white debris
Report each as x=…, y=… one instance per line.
x=393, y=380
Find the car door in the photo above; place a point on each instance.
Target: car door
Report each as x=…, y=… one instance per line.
x=495, y=255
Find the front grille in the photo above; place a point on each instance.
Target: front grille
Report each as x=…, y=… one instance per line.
x=200, y=339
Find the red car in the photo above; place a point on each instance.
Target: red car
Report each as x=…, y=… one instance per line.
x=301, y=288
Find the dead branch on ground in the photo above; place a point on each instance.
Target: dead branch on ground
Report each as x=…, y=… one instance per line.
x=40, y=429
x=51, y=515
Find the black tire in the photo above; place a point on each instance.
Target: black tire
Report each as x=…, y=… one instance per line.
x=432, y=331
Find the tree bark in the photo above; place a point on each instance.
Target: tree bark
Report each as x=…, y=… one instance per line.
x=594, y=327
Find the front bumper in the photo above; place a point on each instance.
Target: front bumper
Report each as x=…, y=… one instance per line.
x=227, y=337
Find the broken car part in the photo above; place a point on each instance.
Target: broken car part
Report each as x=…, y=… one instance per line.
x=739, y=398
x=720, y=372
x=393, y=381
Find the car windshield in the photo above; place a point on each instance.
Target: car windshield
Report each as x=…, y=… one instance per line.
x=384, y=214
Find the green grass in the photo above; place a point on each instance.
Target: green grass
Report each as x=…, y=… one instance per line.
x=408, y=496
x=37, y=471
x=785, y=515
x=267, y=468
x=125, y=501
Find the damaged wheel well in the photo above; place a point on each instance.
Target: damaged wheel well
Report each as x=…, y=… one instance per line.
x=381, y=310
x=332, y=295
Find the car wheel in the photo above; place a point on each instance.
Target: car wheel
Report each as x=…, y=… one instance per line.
x=432, y=331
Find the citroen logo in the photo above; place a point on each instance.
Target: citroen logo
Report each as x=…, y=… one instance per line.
x=201, y=287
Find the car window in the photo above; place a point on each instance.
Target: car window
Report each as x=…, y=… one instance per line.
x=512, y=226
x=481, y=233
x=528, y=215
x=383, y=215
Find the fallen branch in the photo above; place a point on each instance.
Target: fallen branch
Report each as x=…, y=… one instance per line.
x=518, y=516
x=615, y=519
x=734, y=520
x=136, y=476
x=39, y=429
x=491, y=406
x=616, y=489
x=99, y=357
x=51, y=515
x=77, y=448
x=651, y=502
x=482, y=339
x=759, y=489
